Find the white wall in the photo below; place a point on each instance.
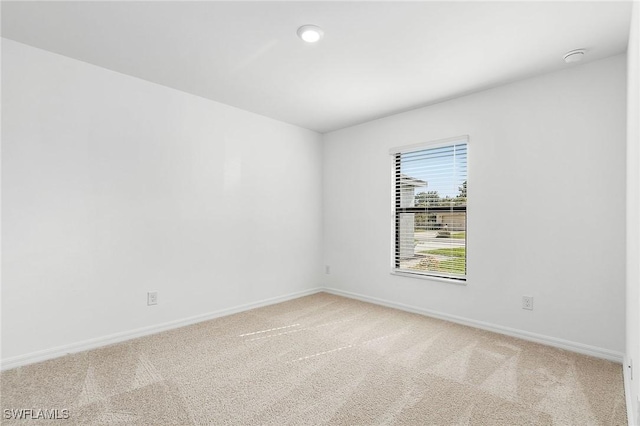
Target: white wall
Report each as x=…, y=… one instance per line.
x=633, y=212
x=113, y=186
x=540, y=150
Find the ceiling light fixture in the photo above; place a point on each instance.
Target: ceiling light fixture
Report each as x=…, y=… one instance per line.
x=310, y=33
x=574, y=55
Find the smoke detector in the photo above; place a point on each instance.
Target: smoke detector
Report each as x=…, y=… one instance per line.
x=574, y=55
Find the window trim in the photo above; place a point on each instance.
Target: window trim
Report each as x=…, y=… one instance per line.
x=393, y=152
x=428, y=145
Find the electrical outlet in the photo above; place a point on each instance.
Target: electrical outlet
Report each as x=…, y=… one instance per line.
x=327, y=269
x=527, y=302
x=152, y=298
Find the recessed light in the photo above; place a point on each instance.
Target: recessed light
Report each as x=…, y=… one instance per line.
x=574, y=55
x=310, y=33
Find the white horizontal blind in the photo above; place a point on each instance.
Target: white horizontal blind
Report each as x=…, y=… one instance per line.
x=430, y=210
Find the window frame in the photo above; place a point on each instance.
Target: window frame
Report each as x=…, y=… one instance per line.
x=394, y=152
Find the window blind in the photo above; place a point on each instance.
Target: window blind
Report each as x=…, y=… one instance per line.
x=430, y=210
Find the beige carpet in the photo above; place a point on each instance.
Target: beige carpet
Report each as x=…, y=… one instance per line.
x=322, y=359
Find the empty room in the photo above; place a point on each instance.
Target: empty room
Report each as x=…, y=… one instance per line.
x=320, y=213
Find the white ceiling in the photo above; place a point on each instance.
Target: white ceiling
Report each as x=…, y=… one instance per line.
x=376, y=59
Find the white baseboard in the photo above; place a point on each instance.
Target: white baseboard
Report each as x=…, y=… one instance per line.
x=85, y=345
x=525, y=335
x=631, y=415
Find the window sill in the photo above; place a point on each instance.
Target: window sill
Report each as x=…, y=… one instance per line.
x=428, y=277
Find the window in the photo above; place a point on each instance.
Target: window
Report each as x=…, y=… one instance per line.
x=430, y=209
